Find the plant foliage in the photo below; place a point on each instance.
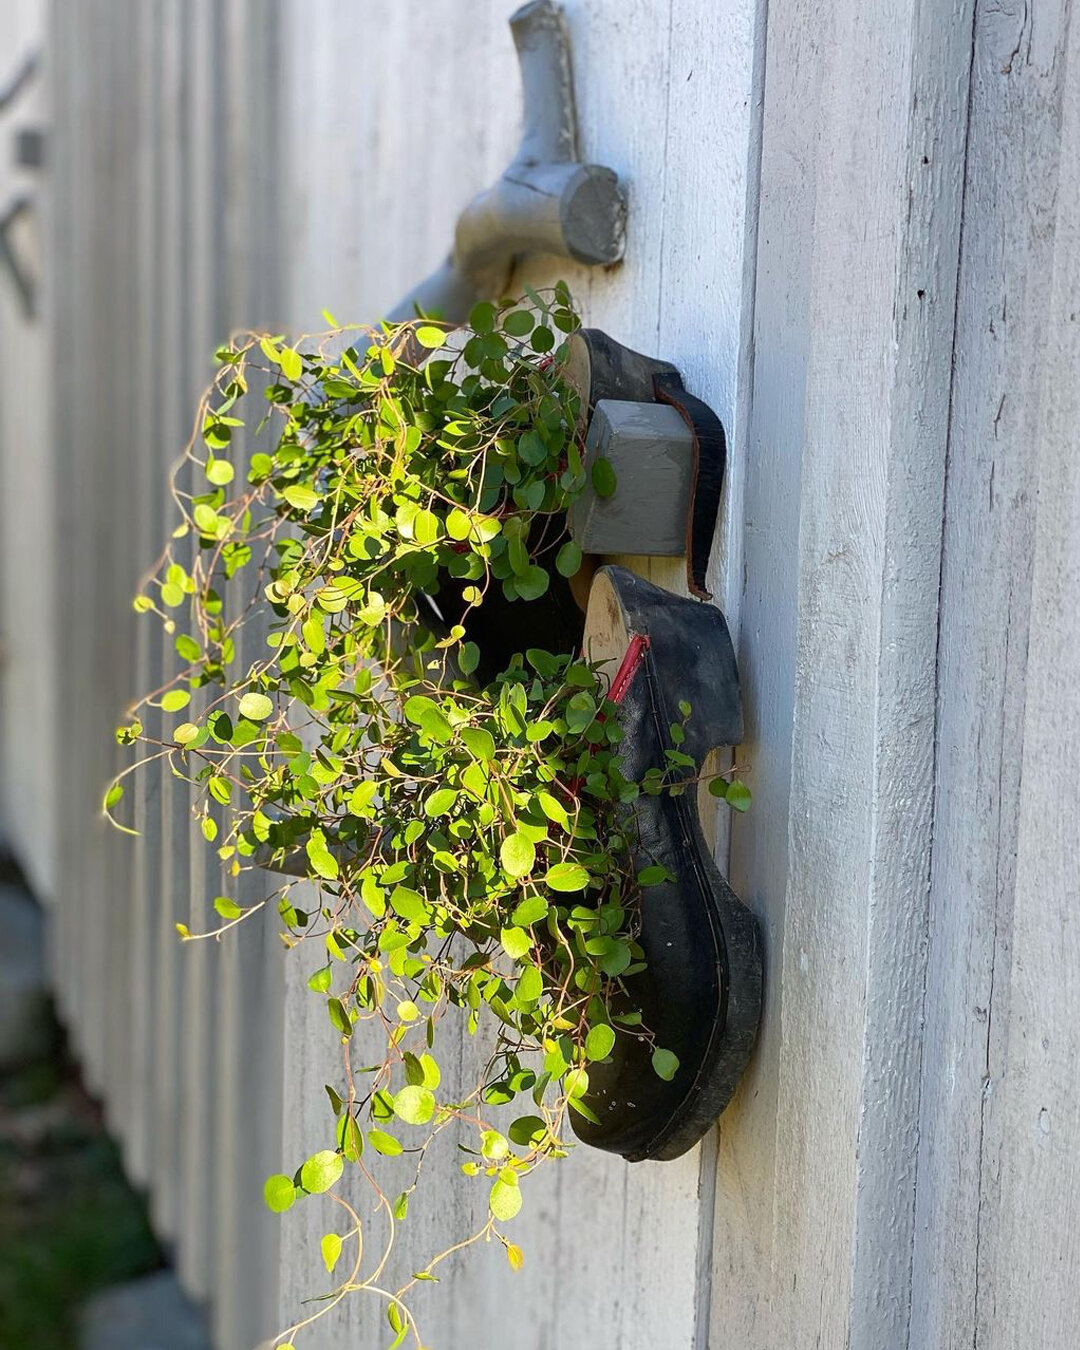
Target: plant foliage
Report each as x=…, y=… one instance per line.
x=467, y=843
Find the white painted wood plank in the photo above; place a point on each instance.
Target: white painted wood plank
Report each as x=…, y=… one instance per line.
x=1029, y=1259
x=989, y=1004
x=28, y=674
x=844, y=456
x=172, y=423
x=199, y=961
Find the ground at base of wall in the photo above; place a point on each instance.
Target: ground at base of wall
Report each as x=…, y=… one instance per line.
x=148, y=1314
x=70, y=1226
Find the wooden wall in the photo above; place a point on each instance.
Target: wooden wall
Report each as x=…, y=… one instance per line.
x=857, y=230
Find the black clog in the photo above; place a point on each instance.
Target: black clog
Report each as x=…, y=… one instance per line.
x=700, y=991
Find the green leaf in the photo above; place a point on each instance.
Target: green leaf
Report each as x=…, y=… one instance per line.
x=314, y=634
x=206, y=519
x=468, y=657
x=174, y=700
x=424, y=713
x=482, y=317
x=532, y=583
x=339, y=1018
x=567, y=877
x=429, y=336
x=292, y=366
x=479, y=743
x=300, y=497
x=738, y=795
x=603, y=476
x=518, y=323
x=187, y=648
x=440, y=802
x=219, y=472
x=517, y=855
x=530, y=911
x=384, y=1143
x=505, y=1200
x=527, y=1131
x=185, y=733
x=323, y=863
x=330, y=1246
x=321, y=1171
x=530, y=985
x=415, y=1105
x=653, y=876
x=228, y=909
x=599, y=1042
x=568, y=559
x=516, y=942
x=320, y=982
x=409, y=904
x=256, y=707
x=279, y=1193
x=665, y=1064
x=553, y=809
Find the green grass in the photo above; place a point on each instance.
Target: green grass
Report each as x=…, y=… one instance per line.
x=69, y=1223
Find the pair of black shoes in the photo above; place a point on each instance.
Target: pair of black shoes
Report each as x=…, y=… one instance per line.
x=700, y=991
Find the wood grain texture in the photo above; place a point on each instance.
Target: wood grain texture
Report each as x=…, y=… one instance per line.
x=845, y=465
x=994, y=1260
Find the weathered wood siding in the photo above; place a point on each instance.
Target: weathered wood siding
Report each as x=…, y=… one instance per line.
x=857, y=230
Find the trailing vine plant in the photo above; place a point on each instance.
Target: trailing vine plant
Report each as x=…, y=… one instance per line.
x=469, y=842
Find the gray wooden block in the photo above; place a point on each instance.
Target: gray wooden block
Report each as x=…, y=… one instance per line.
x=650, y=448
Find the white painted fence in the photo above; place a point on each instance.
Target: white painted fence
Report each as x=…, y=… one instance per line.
x=857, y=230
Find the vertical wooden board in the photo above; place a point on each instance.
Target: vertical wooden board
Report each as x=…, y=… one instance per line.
x=248, y=1045
x=199, y=961
x=1006, y=348
x=116, y=339
x=1029, y=1260
x=172, y=421
x=27, y=477
x=844, y=465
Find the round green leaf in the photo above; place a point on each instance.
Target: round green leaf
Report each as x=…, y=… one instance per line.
x=431, y=337
x=599, y=1042
x=738, y=795
x=256, y=707
x=567, y=877
x=568, y=559
x=174, y=700
x=279, y=1193
x=219, y=472
x=515, y=942
x=665, y=1064
x=527, y=1131
x=530, y=985
x=530, y=911
x=517, y=855
x=505, y=1200
x=321, y=1171
x=518, y=323
x=415, y=1105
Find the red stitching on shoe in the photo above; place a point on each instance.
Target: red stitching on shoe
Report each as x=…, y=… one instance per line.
x=635, y=654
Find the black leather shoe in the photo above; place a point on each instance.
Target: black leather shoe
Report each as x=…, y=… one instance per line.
x=700, y=991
